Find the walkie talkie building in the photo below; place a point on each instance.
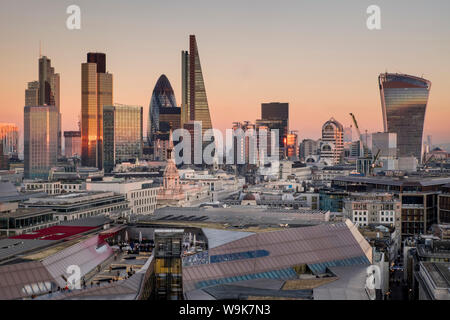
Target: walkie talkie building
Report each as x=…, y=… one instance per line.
x=404, y=101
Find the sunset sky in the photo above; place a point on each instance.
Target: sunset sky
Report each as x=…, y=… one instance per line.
x=317, y=55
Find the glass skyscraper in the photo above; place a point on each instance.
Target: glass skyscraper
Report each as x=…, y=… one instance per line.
x=122, y=134
x=404, y=101
x=40, y=140
x=9, y=137
x=194, y=101
x=162, y=97
x=96, y=92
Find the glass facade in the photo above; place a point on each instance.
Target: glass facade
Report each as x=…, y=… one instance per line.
x=40, y=141
x=162, y=97
x=288, y=273
x=404, y=100
x=122, y=134
x=195, y=103
x=318, y=268
x=96, y=92
x=9, y=137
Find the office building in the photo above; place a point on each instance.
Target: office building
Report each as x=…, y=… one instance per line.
x=292, y=147
x=79, y=205
x=72, y=144
x=122, y=134
x=46, y=92
x=194, y=105
x=40, y=140
x=444, y=205
x=169, y=118
x=308, y=147
x=404, y=101
x=49, y=91
x=9, y=137
x=418, y=197
x=162, y=97
x=275, y=116
x=140, y=193
x=332, y=145
x=32, y=94
x=16, y=221
x=366, y=209
x=96, y=92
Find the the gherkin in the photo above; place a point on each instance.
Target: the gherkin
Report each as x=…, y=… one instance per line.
x=162, y=97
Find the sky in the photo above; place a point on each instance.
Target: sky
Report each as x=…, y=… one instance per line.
x=317, y=55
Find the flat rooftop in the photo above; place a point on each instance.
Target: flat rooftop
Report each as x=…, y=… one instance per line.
x=236, y=216
x=439, y=272
x=396, y=181
x=70, y=198
x=24, y=213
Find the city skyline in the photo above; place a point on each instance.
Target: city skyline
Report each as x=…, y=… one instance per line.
x=296, y=74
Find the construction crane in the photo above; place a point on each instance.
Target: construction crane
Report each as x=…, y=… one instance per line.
x=374, y=163
x=362, y=145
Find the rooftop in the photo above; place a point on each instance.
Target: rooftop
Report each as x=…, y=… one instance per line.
x=24, y=213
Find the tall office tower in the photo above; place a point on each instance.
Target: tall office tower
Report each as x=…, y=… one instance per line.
x=32, y=94
x=122, y=134
x=194, y=105
x=9, y=136
x=72, y=144
x=308, y=147
x=96, y=92
x=162, y=97
x=332, y=145
x=275, y=116
x=404, y=101
x=245, y=143
x=40, y=140
x=168, y=264
x=49, y=90
x=292, y=147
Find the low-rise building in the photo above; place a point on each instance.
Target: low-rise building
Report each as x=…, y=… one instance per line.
x=15, y=221
x=141, y=193
x=433, y=281
x=444, y=205
x=78, y=205
x=367, y=209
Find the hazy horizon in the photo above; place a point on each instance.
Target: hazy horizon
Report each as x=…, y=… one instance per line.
x=317, y=56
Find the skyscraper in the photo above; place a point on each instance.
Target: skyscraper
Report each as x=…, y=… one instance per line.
x=194, y=101
x=404, y=101
x=9, y=137
x=72, y=143
x=40, y=140
x=122, y=134
x=275, y=116
x=96, y=92
x=332, y=145
x=32, y=94
x=49, y=91
x=162, y=97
